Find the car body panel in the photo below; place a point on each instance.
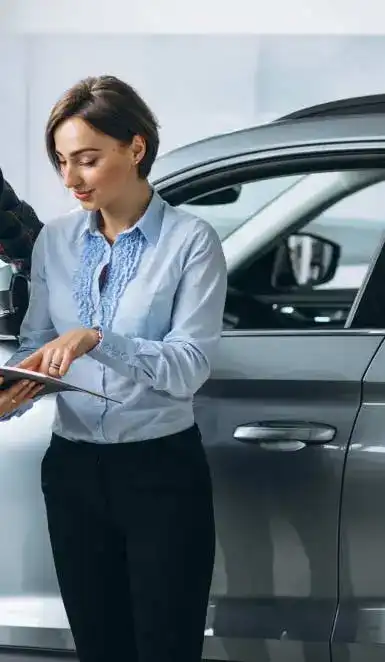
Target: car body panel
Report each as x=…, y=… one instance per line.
x=298, y=135
x=277, y=507
x=360, y=625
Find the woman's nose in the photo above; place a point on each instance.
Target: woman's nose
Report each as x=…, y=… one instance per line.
x=70, y=177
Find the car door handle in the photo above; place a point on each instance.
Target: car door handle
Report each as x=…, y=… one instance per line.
x=284, y=432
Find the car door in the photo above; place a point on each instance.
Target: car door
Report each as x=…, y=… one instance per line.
x=276, y=418
x=359, y=632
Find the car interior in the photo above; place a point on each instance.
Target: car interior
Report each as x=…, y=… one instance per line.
x=267, y=293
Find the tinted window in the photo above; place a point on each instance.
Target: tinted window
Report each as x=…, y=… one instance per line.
x=253, y=197
x=357, y=224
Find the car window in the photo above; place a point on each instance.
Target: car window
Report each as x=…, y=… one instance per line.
x=357, y=224
x=225, y=218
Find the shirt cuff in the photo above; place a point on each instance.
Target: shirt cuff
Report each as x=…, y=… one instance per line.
x=113, y=346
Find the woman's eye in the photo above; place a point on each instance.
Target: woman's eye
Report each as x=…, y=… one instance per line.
x=88, y=163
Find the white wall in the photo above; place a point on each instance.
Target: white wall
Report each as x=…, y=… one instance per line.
x=13, y=111
x=194, y=88
x=196, y=84
x=300, y=70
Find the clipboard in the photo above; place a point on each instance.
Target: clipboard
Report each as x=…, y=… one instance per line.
x=52, y=384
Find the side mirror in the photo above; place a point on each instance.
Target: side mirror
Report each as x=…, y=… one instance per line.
x=305, y=260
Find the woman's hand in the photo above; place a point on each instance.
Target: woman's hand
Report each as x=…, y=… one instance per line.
x=55, y=358
x=14, y=396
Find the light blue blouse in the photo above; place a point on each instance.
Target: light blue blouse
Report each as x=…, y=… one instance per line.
x=160, y=311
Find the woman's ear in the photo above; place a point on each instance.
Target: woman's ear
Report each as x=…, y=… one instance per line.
x=138, y=147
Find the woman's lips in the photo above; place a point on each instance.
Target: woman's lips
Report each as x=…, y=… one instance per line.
x=83, y=195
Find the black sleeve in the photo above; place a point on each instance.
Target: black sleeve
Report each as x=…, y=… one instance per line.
x=19, y=227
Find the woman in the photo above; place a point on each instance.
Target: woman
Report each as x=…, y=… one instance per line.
x=127, y=297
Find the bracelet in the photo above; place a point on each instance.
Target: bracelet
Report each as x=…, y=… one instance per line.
x=100, y=334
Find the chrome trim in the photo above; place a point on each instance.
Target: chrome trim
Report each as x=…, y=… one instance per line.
x=281, y=431
x=247, y=333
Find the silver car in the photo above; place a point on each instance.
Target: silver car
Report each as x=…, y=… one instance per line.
x=293, y=417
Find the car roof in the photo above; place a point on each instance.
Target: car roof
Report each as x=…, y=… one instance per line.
x=317, y=125
x=366, y=105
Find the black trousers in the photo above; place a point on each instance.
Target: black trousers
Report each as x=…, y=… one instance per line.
x=132, y=534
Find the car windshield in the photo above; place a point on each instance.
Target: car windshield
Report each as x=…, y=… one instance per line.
x=226, y=218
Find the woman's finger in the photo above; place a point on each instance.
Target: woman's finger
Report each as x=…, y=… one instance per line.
x=32, y=362
x=55, y=362
x=24, y=389
x=17, y=388
x=66, y=361
x=34, y=391
x=14, y=396
x=46, y=360
x=27, y=392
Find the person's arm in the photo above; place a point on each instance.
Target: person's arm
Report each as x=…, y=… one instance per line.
x=19, y=227
x=180, y=363
x=37, y=328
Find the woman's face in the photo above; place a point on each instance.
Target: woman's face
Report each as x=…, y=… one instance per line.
x=98, y=169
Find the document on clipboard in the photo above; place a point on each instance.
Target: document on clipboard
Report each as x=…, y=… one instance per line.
x=12, y=374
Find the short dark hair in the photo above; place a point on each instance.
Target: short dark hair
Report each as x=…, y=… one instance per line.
x=111, y=106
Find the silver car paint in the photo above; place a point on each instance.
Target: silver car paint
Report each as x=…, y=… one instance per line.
x=297, y=137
